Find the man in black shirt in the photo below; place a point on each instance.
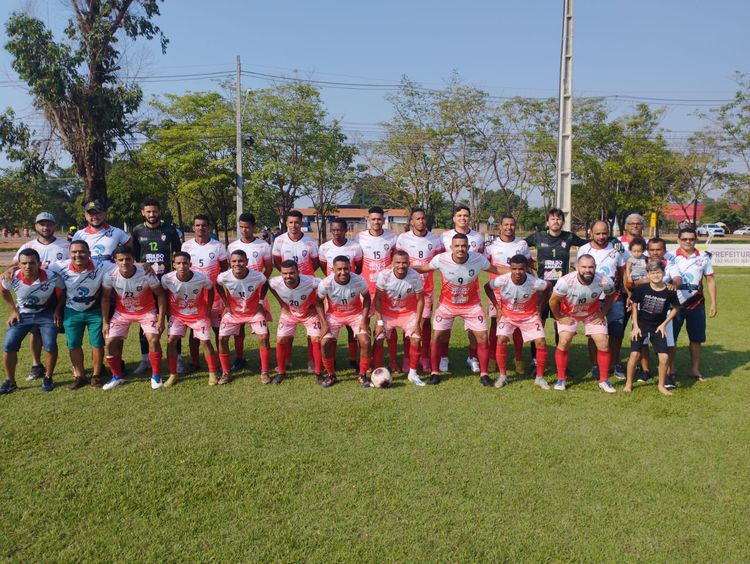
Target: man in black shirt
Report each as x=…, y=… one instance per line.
x=651, y=313
x=154, y=242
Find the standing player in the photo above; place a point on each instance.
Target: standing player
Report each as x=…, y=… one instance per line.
x=574, y=300
x=499, y=253
x=191, y=297
x=134, y=292
x=298, y=297
x=154, y=242
x=462, y=224
x=207, y=256
x=258, y=259
x=101, y=237
x=421, y=245
x=243, y=292
x=348, y=306
x=515, y=296
x=339, y=245
x=399, y=303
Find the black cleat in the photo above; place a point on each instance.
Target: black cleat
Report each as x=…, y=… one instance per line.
x=364, y=381
x=433, y=379
x=486, y=381
x=329, y=381
x=278, y=379
x=319, y=379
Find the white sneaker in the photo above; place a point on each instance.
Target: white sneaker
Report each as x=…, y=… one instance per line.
x=143, y=366
x=501, y=381
x=443, y=364
x=560, y=385
x=415, y=379
x=607, y=387
x=113, y=383
x=35, y=372
x=541, y=383
x=156, y=382
x=180, y=365
x=311, y=367
x=473, y=363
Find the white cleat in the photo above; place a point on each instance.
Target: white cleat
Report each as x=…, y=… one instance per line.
x=541, y=383
x=607, y=387
x=113, y=383
x=502, y=381
x=415, y=379
x=560, y=385
x=156, y=382
x=143, y=367
x=443, y=367
x=473, y=363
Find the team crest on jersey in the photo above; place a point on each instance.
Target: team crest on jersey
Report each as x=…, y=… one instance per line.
x=303, y=297
x=138, y=288
x=212, y=256
x=195, y=291
x=304, y=253
x=563, y=244
x=354, y=294
x=163, y=237
x=471, y=272
x=386, y=246
x=409, y=290
x=429, y=246
x=594, y=295
x=438, y=318
x=59, y=256
x=255, y=254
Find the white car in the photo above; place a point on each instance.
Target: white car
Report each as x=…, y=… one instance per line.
x=742, y=230
x=710, y=229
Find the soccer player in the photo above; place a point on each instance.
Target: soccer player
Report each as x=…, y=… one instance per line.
x=207, y=256
x=462, y=224
x=101, y=237
x=610, y=262
x=339, y=245
x=399, y=303
x=243, y=292
x=499, y=253
x=134, y=291
x=688, y=271
x=574, y=300
x=348, y=306
x=50, y=250
x=459, y=297
x=298, y=297
x=515, y=295
x=259, y=259
x=191, y=297
x=651, y=314
x=154, y=242
x=421, y=245
x=81, y=300
x=32, y=310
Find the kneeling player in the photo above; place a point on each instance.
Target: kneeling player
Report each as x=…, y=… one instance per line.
x=518, y=305
x=243, y=291
x=348, y=306
x=134, y=292
x=298, y=297
x=399, y=303
x=574, y=300
x=191, y=296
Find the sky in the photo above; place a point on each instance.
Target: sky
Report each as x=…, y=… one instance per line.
x=680, y=55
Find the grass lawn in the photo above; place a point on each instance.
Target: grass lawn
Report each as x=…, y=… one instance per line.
x=453, y=472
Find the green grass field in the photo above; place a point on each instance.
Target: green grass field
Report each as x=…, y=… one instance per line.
x=453, y=472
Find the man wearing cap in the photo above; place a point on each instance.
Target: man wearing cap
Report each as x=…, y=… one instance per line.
x=101, y=237
x=51, y=250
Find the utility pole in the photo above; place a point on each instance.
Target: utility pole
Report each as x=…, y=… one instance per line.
x=238, y=122
x=565, y=129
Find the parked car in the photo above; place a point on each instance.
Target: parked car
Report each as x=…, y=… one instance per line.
x=710, y=229
x=742, y=230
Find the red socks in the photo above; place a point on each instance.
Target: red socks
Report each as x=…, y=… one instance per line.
x=115, y=365
x=435, y=352
x=426, y=338
x=226, y=362
x=364, y=362
x=155, y=360
x=239, y=346
x=211, y=363
x=518, y=344
x=281, y=357
x=172, y=364
x=377, y=353
x=414, y=354
x=483, y=352
x=353, y=351
x=492, y=339
x=265, y=359
x=602, y=359
x=541, y=361
x=195, y=358
x=561, y=360
x=329, y=359
x=392, y=349
x=501, y=356
x=317, y=357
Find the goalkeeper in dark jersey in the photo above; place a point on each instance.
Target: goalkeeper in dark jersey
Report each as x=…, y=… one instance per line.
x=154, y=242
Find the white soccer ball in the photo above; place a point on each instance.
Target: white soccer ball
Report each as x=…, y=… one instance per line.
x=381, y=377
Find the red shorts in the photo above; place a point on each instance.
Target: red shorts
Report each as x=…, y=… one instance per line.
x=288, y=325
x=231, y=324
x=120, y=323
x=201, y=327
x=531, y=327
x=473, y=316
x=589, y=328
x=336, y=324
x=404, y=322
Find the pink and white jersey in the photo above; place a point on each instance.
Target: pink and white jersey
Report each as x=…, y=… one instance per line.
x=243, y=294
x=581, y=300
x=82, y=287
x=398, y=296
x=300, y=300
x=36, y=296
x=691, y=269
x=377, y=252
x=476, y=240
x=103, y=242
x=329, y=251
x=302, y=251
x=517, y=301
x=343, y=299
x=187, y=300
x=460, y=281
x=57, y=250
x=421, y=251
x=500, y=252
x=205, y=258
x=134, y=294
x=608, y=259
x=258, y=253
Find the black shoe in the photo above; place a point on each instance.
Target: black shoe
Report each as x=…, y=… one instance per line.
x=8, y=387
x=47, y=385
x=671, y=381
x=433, y=379
x=277, y=379
x=644, y=378
x=364, y=381
x=319, y=379
x=238, y=364
x=329, y=381
x=354, y=365
x=486, y=381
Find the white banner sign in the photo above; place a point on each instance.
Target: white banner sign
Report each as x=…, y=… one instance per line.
x=723, y=255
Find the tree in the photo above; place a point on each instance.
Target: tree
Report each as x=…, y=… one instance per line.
x=75, y=82
x=733, y=120
x=20, y=201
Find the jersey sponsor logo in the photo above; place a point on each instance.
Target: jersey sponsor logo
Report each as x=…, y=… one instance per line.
x=99, y=249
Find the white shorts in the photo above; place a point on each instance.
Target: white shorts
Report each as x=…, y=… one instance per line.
x=288, y=325
x=531, y=327
x=589, y=328
x=217, y=310
x=201, y=327
x=120, y=323
x=427, y=311
x=231, y=324
x=336, y=324
x=473, y=316
x=403, y=322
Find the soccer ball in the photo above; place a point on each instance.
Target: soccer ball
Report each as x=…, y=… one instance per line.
x=381, y=377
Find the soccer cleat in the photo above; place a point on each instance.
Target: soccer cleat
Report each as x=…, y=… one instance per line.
x=143, y=366
x=415, y=379
x=171, y=381
x=47, y=385
x=113, y=383
x=364, y=381
x=328, y=381
x=594, y=372
x=36, y=371
x=486, y=381
x=212, y=380
x=433, y=380
x=238, y=364
x=607, y=387
x=618, y=371
x=225, y=379
x=278, y=379
x=473, y=364
x=180, y=365
x=540, y=382
x=520, y=368
x=443, y=367
x=671, y=382
x=502, y=381
x=310, y=367
x=156, y=382
x=265, y=378
x=319, y=379
x=8, y=387
x=560, y=385
x=645, y=378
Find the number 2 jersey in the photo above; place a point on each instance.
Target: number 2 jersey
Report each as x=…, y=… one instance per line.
x=581, y=300
x=377, y=252
x=134, y=295
x=301, y=299
x=517, y=301
x=460, y=285
x=343, y=299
